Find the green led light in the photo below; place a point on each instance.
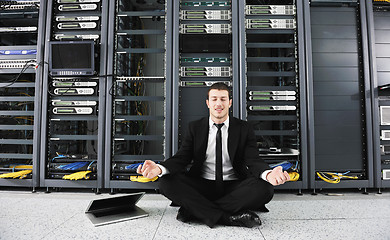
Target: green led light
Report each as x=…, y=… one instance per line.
x=194, y=69
x=195, y=74
x=64, y=110
x=194, y=83
x=260, y=98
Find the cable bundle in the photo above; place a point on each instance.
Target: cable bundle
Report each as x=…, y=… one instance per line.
x=331, y=177
x=73, y=166
x=142, y=179
x=19, y=174
x=77, y=175
x=133, y=166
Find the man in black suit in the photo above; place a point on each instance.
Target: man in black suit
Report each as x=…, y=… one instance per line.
x=217, y=176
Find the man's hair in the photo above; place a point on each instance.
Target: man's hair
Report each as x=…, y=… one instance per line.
x=219, y=86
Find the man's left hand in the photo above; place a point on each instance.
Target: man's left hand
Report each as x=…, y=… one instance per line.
x=277, y=176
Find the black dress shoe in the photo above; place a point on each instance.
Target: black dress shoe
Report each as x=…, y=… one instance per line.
x=184, y=216
x=246, y=218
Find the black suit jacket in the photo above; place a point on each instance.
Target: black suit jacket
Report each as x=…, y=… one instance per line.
x=242, y=148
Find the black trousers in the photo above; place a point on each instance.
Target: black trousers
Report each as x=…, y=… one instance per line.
x=198, y=196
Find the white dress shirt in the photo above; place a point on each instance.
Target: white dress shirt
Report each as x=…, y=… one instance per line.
x=208, y=171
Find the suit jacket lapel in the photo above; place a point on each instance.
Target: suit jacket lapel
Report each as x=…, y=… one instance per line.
x=203, y=136
x=234, y=132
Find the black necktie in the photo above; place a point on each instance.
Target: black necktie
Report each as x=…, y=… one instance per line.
x=218, y=161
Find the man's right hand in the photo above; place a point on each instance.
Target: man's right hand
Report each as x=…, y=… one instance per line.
x=149, y=169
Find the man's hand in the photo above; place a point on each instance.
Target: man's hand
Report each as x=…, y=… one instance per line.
x=277, y=176
x=149, y=169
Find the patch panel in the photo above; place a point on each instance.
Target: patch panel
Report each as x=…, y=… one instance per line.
x=206, y=4
x=205, y=59
x=14, y=64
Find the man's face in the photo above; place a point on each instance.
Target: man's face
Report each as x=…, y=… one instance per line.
x=218, y=104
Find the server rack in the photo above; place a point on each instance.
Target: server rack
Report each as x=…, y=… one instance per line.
x=139, y=90
x=21, y=45
x=205, y=51
x=72, y=139
x=379, y=29
x=272, y=82
x=338, y=100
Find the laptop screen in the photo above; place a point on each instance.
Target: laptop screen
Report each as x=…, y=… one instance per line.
x=115, y=202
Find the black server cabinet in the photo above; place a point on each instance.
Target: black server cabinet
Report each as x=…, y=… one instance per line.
x=73, y=104
x=21, y=49
x=205, y=51
x=339, y=100
x=378, y=16
x=273, y=83
x=139, y=90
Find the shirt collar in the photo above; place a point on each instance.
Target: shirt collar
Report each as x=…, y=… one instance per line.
x=226, y=122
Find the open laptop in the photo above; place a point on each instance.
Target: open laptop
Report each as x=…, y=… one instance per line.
x=116, y=209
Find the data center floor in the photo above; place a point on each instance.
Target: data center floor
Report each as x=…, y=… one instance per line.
x=60, y=215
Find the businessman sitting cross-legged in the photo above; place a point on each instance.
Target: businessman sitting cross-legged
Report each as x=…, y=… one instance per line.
x=217, y=176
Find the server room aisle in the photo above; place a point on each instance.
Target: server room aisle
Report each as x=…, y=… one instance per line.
x=60, y=215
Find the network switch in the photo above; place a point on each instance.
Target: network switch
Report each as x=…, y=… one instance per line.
x=276, y=93
x=73, y=110
x=21, y=5
x=76, y=25
x=270, y=10
x=385, y=135
x=386, y=174
x=77, y=7
x=73, y=84
x=205, y=71
x=74, y=91
x=385, y=115
x=272, y=108
x=201, y=84
x=61, y=36
x=270, y=98
x=17, y=29
x=205, y=28
x=72, y=103
x=270, y=24
x=76, y=18
x=385, y=149
x=205, y=15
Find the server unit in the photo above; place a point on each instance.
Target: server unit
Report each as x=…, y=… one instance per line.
x=138, y=96
x=74, y=86
x=339, y=103
x=272, y=83
x=21, y=40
